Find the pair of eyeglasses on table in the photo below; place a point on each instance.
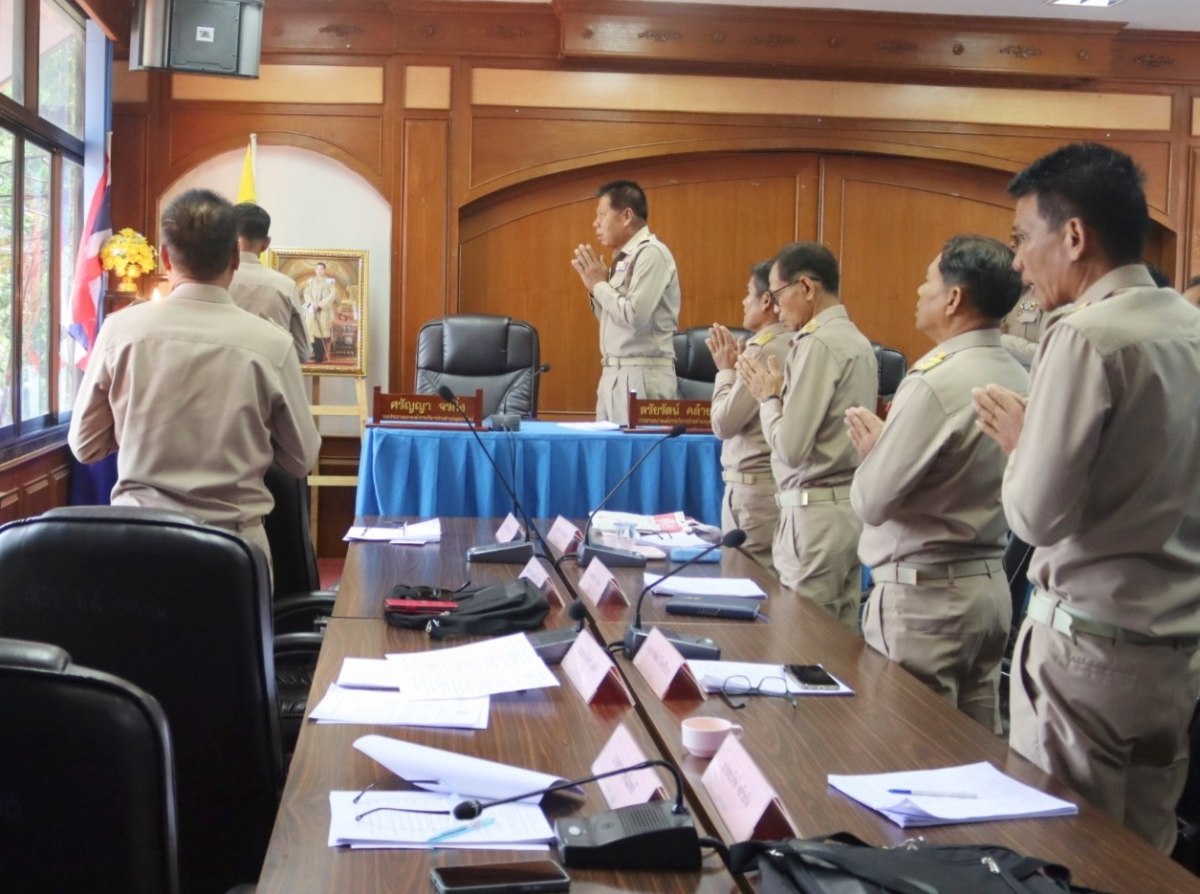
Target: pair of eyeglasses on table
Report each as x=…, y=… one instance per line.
x=737, y=690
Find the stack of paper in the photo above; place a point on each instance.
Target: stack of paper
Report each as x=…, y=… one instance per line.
x=411, y=533
x=975, y=793
x=704, y=586
x=503, y=664
x=385, y=708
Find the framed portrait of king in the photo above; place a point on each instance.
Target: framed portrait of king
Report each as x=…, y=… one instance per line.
x=332, y=284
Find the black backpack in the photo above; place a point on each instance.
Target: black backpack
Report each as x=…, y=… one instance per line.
x=510, y=607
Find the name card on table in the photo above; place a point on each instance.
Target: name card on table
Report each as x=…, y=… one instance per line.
x=397, y=409
x=540, y=578
x=598, y=584
x=627, y=789
x=746, y=801
x=509, y=530
x=665, y=671
x=592, y=672
x=695, y=414
x=564, y=536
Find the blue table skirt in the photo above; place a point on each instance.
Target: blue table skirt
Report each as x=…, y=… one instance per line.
x=558, y=471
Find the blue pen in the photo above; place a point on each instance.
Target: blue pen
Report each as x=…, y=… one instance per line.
x=921, y=793
x=459, y=830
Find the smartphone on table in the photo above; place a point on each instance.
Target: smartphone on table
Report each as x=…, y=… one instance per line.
x=812, y=676
x=501, y=878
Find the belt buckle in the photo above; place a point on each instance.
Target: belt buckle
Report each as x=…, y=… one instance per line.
x=803, y=498
x=906, y=575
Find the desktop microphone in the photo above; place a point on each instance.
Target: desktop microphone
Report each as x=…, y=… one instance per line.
x=655, y=835
x=552, y=645
x=689, y=645
x=620, y=558
x=509, y=553
x=531, y=376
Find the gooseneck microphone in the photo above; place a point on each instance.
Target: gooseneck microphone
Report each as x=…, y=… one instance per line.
x=655, y=835
x=509, y=553
x=620, y=558
x=689, y=646
x=553, y=645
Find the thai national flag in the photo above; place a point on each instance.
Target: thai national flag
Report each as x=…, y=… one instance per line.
x=87, y=301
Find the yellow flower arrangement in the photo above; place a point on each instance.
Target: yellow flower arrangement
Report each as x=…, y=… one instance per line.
x=130, y=255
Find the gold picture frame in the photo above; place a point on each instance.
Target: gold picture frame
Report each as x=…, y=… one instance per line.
x=334, y=293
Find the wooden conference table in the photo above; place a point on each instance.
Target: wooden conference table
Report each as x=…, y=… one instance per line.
x=892, y=723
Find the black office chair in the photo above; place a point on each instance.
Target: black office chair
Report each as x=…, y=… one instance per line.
x=184, y=612
x=694, y=367
x=893, y=366
x=88, y=801
x=470, y=351
x=1017, y=556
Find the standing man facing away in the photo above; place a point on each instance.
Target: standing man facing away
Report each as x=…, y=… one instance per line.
x=830, y=368
x=199, y=396
x=928, y=489
x=1102, y=478
x=749, y=501
x=260, y=290
x=636, y=301
x=320, y=294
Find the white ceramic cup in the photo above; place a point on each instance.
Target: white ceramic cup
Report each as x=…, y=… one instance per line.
x=702, y=736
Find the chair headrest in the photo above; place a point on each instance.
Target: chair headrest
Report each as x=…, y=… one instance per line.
x=21, y=653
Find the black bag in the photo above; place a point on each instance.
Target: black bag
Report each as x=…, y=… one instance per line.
x=512, y=606
x=842, y=864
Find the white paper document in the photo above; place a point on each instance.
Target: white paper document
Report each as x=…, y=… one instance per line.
x=975, y=793
x=513, y=826
x=385, y=708
x=445, y=771
x=503, y=664
x=369, y=673
x=411, y=533
x=678, y=540
x=765, y=679
x=704, y=586
x=591, y=426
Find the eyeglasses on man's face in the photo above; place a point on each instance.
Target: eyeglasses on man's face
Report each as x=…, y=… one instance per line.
x=777, y=292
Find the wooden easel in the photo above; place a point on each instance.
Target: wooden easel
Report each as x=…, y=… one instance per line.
x=359, y=409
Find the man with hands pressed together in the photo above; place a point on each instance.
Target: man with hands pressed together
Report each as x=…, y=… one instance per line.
x=928, y=488
x=830, y=368
x=749, y=501
x=1102, y=475
x=636, y=301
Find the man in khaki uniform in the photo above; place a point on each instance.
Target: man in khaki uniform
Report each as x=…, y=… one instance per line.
x=749, y=501
x=199, y=396
x=260, y=290
x=928, y=489
x=1021, y=330
x=1102, y=478
x=830, y=368
x=320, y=296
x=636, y=301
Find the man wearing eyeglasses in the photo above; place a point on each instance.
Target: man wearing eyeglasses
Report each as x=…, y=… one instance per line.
x=928, y=489
x=636, y=300
x=830, y=368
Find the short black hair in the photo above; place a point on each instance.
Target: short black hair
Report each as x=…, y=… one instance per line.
x=1098, y=184
x=761, y=274
x=1160, y=279
x=200, y=231
x=983, y=269
x=624, y=194
x=253, y=222
x=811, y=259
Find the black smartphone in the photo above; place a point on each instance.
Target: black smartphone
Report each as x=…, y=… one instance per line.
x=812, y=676
x=501, y=878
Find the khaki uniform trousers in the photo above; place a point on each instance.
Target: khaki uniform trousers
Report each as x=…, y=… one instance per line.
x=816, y=554
x=949, y=635
x=612, y=395
x=752, y=508
x=1109, y=719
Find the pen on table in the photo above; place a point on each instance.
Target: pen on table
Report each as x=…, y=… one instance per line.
x=459, y=830
x=921, y=793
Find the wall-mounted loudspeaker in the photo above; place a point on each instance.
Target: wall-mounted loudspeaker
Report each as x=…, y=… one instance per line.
x=220, y=37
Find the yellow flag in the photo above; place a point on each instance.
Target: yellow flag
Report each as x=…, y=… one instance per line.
x=246, y=191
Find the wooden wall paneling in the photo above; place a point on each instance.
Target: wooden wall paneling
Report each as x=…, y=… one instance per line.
x=37, y=496
x=130, y=195
x=34, y=484
x=1157, y=56
x=365, y=27
x=1192, y=248
x=885, y=220
x=10, y=506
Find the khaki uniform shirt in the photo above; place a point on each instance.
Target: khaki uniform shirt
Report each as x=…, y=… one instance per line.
x=201, y=398
x=929, y=491
x=638, y=308
x=269, y=294
x=1104, y=478
x=735, y=418
x=830, y=368
x=1022, y=329
x=319, y=298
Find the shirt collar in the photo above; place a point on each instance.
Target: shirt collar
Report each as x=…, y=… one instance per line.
x=249, y=257
x=639, y=237
x=1131, y=276
x=191, y=291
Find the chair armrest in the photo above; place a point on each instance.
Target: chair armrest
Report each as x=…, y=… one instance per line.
x=301, y=612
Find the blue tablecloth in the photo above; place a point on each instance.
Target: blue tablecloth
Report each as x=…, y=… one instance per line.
x=557, y=470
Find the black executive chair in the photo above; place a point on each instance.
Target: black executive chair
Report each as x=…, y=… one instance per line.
x=184, y=612
x=893, y=366
x=89, y=780
x=694, y=367
x=469, y=351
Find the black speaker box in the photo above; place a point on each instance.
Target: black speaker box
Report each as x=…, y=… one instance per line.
x=219, y=37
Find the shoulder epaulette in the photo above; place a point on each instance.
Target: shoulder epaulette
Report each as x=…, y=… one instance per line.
x=809, y=327
x=761, y=339
x=926, y=365
x=1078, y=306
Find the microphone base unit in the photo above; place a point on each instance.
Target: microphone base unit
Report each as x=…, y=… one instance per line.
x=644, y=836
x=610, y=556
x=553, y=645
x=688, y=645
x=502, y=553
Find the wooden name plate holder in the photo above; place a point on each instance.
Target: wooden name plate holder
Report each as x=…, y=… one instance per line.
x=412, y=410
x=653, y=415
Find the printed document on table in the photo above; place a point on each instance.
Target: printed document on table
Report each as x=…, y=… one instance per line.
x=385, y=708
x=369, y=673
x=413, y=533
x=704, y=586
x=974, y=793
x=514, y=826
x=504, y=664
x=591, y=426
